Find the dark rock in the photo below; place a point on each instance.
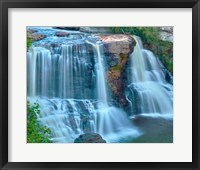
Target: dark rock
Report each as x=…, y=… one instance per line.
x=68, y=28
x=61, y=34
x=89, y=138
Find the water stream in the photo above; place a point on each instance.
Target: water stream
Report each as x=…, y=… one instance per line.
x=67, y=77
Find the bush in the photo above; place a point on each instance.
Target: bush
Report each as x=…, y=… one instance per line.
x=35, y=132
x=28, y=42
x=149, y=35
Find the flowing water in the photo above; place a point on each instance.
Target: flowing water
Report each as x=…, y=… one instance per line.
x=149, y=93
x=67, y=77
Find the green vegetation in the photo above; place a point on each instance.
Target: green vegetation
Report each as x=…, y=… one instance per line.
x=35, y=132
x=116, y=68
x=152, y=41
x=28, y=42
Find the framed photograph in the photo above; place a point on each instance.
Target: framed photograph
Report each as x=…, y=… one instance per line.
x=99, y=85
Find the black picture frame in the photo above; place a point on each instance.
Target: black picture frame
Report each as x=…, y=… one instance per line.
x=6, y=4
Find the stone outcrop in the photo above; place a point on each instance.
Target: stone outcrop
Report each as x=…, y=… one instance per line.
x=89, y=138
x=117, y=48
x=34, y=35
x=166, y=33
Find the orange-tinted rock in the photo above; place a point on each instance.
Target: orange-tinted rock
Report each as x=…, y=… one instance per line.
x=117, y=48
x=117, y=43
x=35, y=36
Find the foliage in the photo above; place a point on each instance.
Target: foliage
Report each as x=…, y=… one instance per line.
x=148, y=34
x=116, y=68
x=35, y=132
x=152, y=41
x=166, y=54
x=28, y=42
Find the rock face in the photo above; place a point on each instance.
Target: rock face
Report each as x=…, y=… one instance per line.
x=117, y=43
x=166, y=33
x=31, y=31
x=34, y=36
x=89, y=138
x=117, y=48
x=61, y=34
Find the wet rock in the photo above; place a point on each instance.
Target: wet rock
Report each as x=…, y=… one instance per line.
x=68, y=28
x=95, y=29
x=34, y=36
x=31, y=31
x=61, y=34
x=72, y=122
x=89, y=138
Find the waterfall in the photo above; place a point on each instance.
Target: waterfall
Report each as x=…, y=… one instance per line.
x=149, y=93
x=69, y=118
x=100, y=70
x=101, y=85
x=68, y=81
x=61, y=72
x=66, y=76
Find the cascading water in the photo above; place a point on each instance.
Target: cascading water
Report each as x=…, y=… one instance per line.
x=67, y=78
x=100, y=71
x=149, y=94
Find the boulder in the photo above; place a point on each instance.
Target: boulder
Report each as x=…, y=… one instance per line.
x=61, y=34
x=117, y=43
x=89, y=138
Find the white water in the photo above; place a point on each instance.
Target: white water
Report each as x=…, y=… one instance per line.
x=69, y=83
x=100, y=72
x=148, y=84
x=68, y=118
x=57, y=80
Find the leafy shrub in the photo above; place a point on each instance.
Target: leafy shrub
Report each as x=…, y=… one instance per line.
x=148, y=34
x=35, y=132
x=28, y=42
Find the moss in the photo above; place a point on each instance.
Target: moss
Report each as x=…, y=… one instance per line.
x=28, y=42
x=122, y=59
x=116, y=68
